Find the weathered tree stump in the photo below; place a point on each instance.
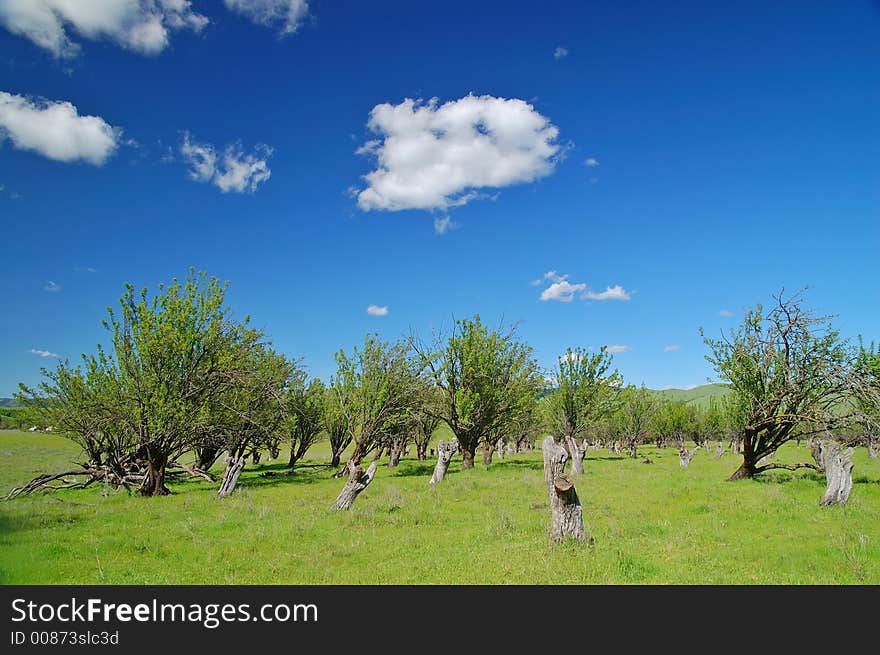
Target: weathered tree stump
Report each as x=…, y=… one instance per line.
x=230, y=476
x=685, y=456
x=838, y=472
x=566, y=514
x=357, y=482
x=708, y=446
x=577, y=452
x=719, y=451
x=445, y=451
x=499, y=448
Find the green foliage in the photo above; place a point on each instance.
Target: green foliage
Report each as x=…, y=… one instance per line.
x=584, y=392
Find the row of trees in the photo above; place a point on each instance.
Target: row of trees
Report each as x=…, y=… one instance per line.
x=182, y=375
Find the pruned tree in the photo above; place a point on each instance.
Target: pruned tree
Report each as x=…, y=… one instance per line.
x=583, y=392
x=635, y=409
x=445, y=451
x=566, y=513
x=488, y=381
x=837, y=464
x=338, y=432
x=358, y=479
x=791, y=376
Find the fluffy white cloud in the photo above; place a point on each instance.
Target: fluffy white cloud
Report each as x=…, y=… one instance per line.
x=616, y=292
x=725, y=312
x=286, y=14
x=432, y=156
x=232, y=171
x=564, y=291
x=52, y=287
x=670, y=347
x=139, y=25
x=56, y=130
x=43, y=353
x=375, y=310
x=560, y=52
x=618, y=348
x=592, y=162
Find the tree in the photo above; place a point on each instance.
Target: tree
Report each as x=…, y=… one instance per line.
x=791, y=376
x=336, y=424
x=583, y=392
x=377, y=390
x=306, y=415
x=636, y=407
x=674, y=420
x=488, y=381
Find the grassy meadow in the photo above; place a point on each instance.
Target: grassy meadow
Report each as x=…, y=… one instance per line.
x=651, y=523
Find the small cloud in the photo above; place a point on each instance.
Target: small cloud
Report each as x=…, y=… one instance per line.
x=375, y=310
x=443, y=225
x=43, y=353
x=616, y=292
x=560, y=53
x=52, y=287
x=671, y=347
x=725, y=312
x=232, y=171
x=85, y=269
x=592, y=162
x=563, y=291
x=618, y=348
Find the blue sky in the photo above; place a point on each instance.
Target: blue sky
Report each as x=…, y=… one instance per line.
x=678, y=162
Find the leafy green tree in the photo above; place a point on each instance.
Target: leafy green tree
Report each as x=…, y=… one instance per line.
x=675, y=420
x=791, y=375
x=584, y=390
x=306, y=416
x=488, y=380
x=377, y=390
x=635, y=410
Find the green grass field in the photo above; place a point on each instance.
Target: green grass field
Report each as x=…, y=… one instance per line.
x=652, y=524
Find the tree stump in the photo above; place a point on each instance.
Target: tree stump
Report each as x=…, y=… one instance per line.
x=230, y=476
x=577, y=452
x=445, y=451
x=685, y=456
x=838, y=472
x=499, y=448
x=566, y=514
x=719, y=451
x=357, y=482
x=708, y=446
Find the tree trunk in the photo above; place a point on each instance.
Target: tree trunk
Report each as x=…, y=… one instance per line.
x=255, y=456
x=566, y=514
x=357, y=482
x=206, y=458
x=487, y=454
x=293, y=457
x=719, y=451
x=467, y=459
x=838, y=473
x=421, y=451
x=334, y=460
x=685, y=456
x=154, y=479
x=445, y=451
x=230, y=477
x=499, y=448
x=748, y=466
x=394, y=456
x=577, y=454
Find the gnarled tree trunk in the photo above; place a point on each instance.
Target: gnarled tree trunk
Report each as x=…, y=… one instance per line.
x=467, y=458
x=445, y=451
x=488, y=450
x=357, y=482
x=230, y=477
x=577, y=452
x=566, y=514
x=685, y=456
x=838, y=473
x=154, y=478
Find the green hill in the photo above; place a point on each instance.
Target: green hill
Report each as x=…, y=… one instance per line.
x=9, y=402
x=699, y=396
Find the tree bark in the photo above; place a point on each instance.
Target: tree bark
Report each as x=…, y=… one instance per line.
x=719, y=451
x=154, y=479
x=566, y=514
x=357, y=482
x=499, y=448
x=394, y=456
x=488, y=450
x=445, y=451
x=206, y=457
x=577, y=454
x=838, y=473
x=230, y=477
x=467, y=459
x=685, y=456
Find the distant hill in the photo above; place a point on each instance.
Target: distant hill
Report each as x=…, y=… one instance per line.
x=699, y=396
x=9, y=402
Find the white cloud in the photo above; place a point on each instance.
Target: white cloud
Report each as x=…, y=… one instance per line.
x=52, y=287
x=725, y=312
x=432, y=156
x=560, y=52
x=443, y=225
x=231, y=171
x=592, y=162
x=56, y=130
x=616, y=292
x=375, y=310
x=286, y=14
x=140, y=25
x=618, y=348
x=43, y=353
x=564, y=291
x=671, y=347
